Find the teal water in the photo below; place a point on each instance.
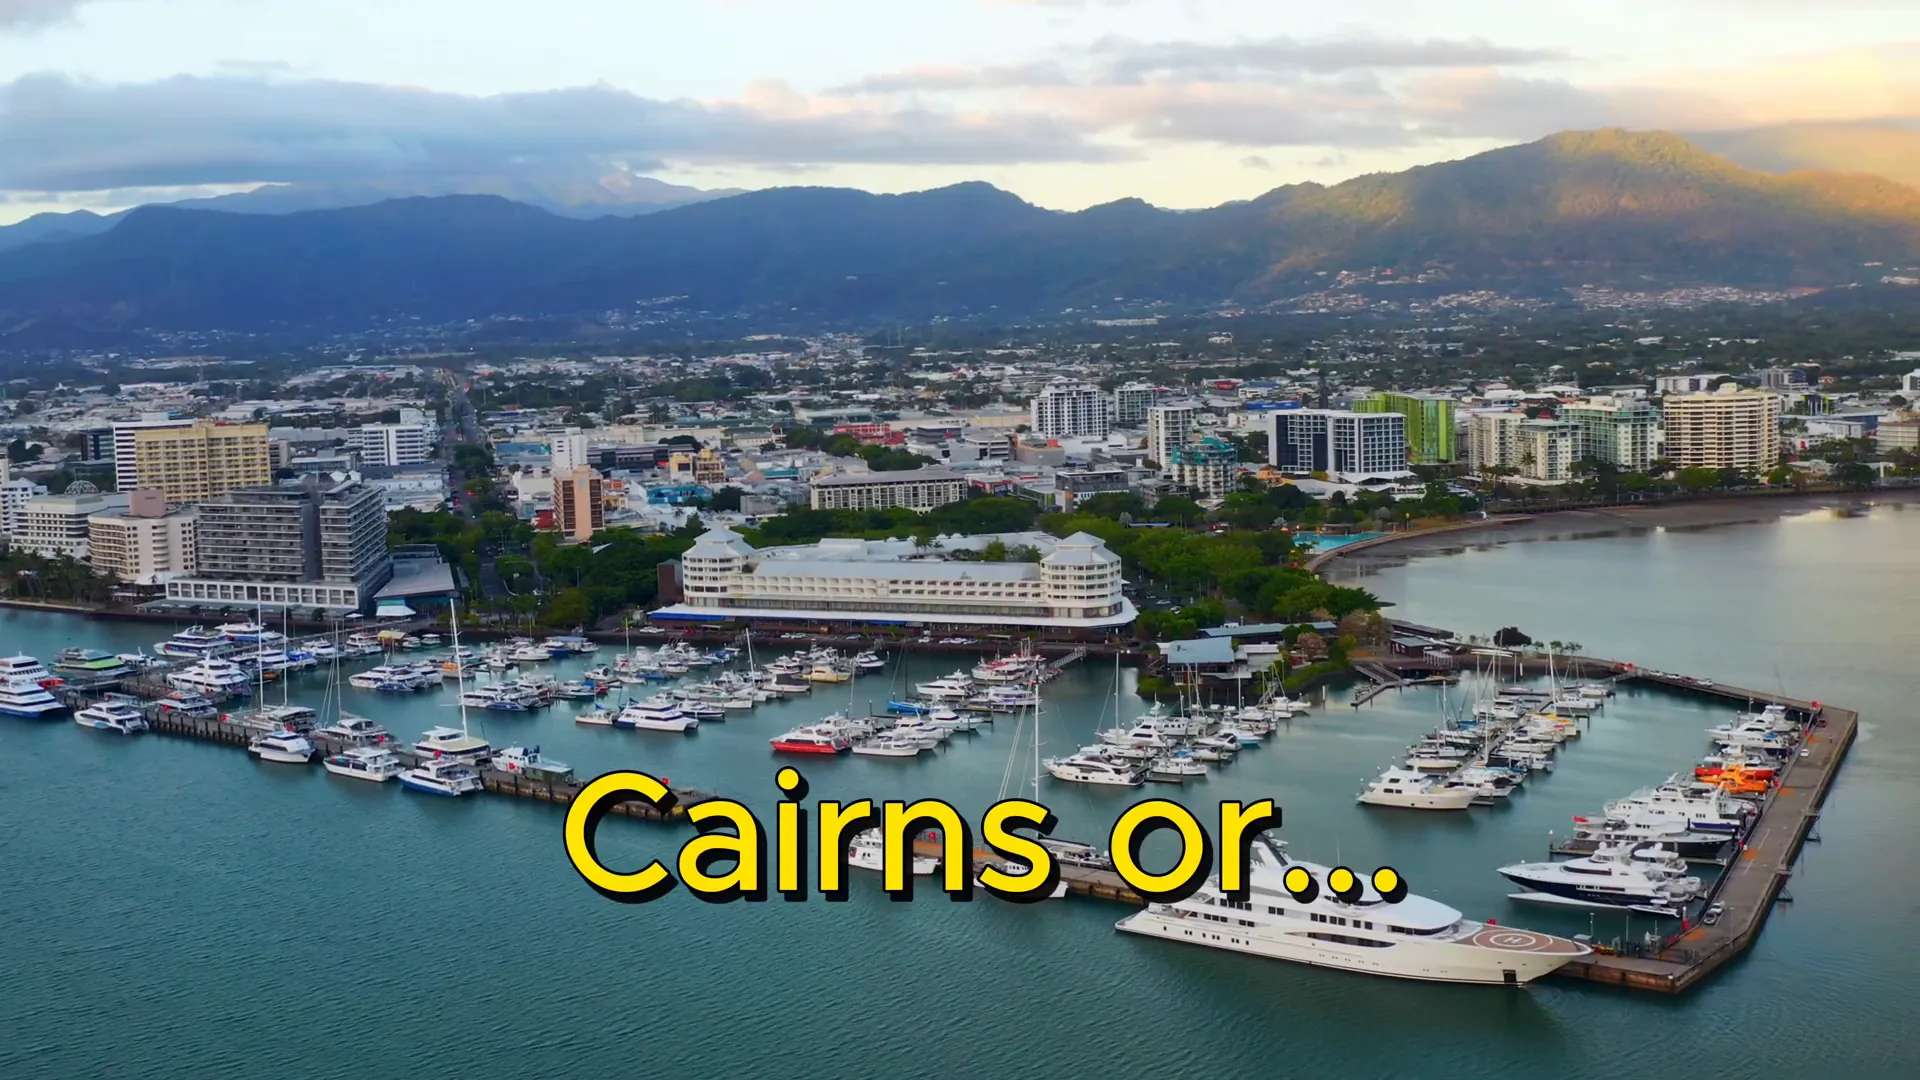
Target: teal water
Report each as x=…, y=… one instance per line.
x=177, y=910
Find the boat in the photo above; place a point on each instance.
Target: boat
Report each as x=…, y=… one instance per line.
x=598, y=716
x=1617, y=875
x=890, y=746
x=194, y=643
x=295, y=718
x=528, y=653
x=374, y=763
x=1093, y=765
x=388, y=678
x=286, y=747
x=826, y=671
x=210, y=676
x=453, y=744
x=868, y=662
x=188, y=706
x=653, y=715
x=1175, y=767
x=250, y=633
x=868, y=851
x=500, y=697
x=811, y=740
x=91, y=663
x=954, y=687
x=27, y=668
x=527, y=761
x=1594, y=690
x=1640, y=829
x=442, y=777
x=355, y=731
x=1412, y=790
x=1415, y=938
x=25, y=697
x=111, y=716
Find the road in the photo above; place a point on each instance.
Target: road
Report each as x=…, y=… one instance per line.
x=465, y=427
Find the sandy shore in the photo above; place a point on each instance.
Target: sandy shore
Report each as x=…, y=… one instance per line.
x=1613, y=521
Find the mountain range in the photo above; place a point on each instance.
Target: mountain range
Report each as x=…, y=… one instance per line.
x=1605, y=207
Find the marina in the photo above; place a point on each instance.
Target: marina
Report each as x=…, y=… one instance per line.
x=1740, y=898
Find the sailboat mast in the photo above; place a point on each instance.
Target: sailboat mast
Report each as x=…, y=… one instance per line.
x=459, y=669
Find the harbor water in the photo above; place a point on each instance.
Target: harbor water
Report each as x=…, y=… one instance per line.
x=178, y=909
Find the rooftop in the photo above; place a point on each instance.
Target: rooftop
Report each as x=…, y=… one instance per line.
x=925, y=475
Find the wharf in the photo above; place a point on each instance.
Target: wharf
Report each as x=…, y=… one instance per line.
x=559, y=792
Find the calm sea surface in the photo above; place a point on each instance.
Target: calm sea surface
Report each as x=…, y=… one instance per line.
x=177, y=910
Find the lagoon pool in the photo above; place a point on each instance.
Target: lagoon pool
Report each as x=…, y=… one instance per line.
x=1316, y=543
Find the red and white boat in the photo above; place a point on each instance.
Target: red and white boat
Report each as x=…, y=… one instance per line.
x=812, y=740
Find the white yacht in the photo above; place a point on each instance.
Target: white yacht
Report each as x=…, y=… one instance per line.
x=1092, y=766
x=528, y=761
x=453, y=744
x=954, y=687
x=442, y=776
x=364, y=763
x=1616, y=875
x=891, y=746
x=27, y=668
x=25, y=697
x=111, y=716
x=287, y=747
x=645, y=717
x=1416, y=938
x=868, y=852
x=251, y=633
x=355, y=731
x=211, y=676
x=387, y=678
x=1413, y=790
x=529, y=653
x=1639, y=829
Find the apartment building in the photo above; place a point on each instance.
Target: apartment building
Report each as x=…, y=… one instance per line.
x=1728, y=429
x=1131, y=403
x=914, y=489
x=569, y=449
x=145, y=542
x=393, y=445
x=579, y=507
x=1547, y=450
x=201, y=460
x=1346, y=446
x=299, y=544
x=1493, y=440
x=1072, y=410
x=1207, y=465
x=1431, y=438
x=1623, y=432
x=14, y=493
x=1169, y=426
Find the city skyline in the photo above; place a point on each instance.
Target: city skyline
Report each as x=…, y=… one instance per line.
x=1181, y=102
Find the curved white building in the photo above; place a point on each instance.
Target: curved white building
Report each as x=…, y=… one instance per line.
x=1075, y=584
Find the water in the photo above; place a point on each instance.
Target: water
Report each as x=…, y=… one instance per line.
x=176, y=909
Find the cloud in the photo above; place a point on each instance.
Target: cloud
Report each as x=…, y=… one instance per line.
x=1126, y=60
x=61, y=134
x=35, y=13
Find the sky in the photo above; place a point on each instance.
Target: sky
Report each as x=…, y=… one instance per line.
x=1067, y=103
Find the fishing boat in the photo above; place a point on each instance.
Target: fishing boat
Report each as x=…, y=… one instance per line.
x=527, y=761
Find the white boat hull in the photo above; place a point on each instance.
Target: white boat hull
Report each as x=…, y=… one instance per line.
x=377, y=777
x=284, y=757
x=867, y=858
x=1411, y=959
x=1435, y=800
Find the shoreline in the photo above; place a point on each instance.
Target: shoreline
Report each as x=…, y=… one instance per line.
x=1700, y=514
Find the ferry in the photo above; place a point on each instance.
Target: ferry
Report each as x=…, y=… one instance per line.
x=27, y=668
x=111, y=716
x=249, y=633
x=25, y=697
x=1415, y=938
x=194, y=643
x=91, y=662
x=648, y=716
x=364, y=763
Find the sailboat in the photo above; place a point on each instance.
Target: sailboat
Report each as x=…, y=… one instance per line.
x=1007, y=783
x=449, y=758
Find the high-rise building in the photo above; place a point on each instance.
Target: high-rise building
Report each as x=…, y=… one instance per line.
x=1493, y=441
x=1689, y=384
x=298, y=544
x=391, y=445
x=1168, y=426
x=1783, y=379
x=1430, y=423
x=201, y=460
x=568, y=448
x=705, y=467
x=144, y=543
x=578, y=507
x=52, y=526
x=1728, y=429
x=1623, y=432
x=1547, y=450
x=1347, y=446
x=1910, y=383
x=126, y=465
x=1208, y=465
x=1131, y=402
x=1068, y=410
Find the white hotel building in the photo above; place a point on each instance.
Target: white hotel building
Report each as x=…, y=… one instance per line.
x=1075, y=585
